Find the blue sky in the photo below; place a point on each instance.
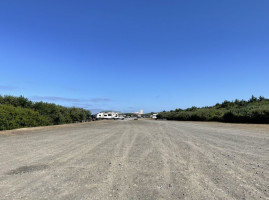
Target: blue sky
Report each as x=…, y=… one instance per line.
x=129, y=55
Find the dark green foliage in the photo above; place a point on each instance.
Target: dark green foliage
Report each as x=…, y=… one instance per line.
x=17, y=112
x=16, y=101
x=130, y=114
x=255, y=110
x=16, y=117
x=147, y=115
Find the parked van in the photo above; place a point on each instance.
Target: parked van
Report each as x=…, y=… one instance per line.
x=154, y=116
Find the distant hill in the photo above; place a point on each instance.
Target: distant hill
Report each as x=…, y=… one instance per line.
x=255, y=110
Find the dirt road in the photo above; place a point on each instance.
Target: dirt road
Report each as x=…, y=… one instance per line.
x=130, y=159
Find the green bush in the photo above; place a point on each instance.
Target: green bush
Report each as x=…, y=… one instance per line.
x=255, y=110
x=17, y=112
x=16, y=117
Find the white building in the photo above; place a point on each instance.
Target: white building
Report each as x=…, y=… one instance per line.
x=139, y=113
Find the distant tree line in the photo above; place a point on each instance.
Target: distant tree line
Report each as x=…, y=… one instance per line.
x=255, y=110
x=148, y=115
x=135, y=115
x=19, y=112
x=130, y=114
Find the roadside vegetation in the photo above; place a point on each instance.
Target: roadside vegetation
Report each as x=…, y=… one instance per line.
x=19, y=112
x=130, y=114
x=255, y=110
x=148, y=115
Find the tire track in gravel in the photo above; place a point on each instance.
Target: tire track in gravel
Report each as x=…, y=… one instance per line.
x=213, y=162
x=119, y=175
x=144, y=159
x=70, y=151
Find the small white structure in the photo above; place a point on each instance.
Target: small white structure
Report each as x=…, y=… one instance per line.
x=107, y=115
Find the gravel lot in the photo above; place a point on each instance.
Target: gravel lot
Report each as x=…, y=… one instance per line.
x=128, y=159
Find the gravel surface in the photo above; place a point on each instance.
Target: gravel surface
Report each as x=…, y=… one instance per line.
x=128, y=159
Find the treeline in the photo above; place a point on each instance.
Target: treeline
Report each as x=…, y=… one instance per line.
x=255, y=110
x=19, y=112
x=135, y=115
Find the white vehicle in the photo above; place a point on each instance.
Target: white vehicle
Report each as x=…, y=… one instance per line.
x=121, y=117
x=154, y=116
x=107, y=115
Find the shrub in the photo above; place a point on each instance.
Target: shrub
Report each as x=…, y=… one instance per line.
x=256, y=110
x=17, y=112
x=16, y=117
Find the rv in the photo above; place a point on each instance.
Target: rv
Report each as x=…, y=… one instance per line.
x=107, y=115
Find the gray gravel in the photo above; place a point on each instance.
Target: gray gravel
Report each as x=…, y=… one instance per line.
x=144, y=159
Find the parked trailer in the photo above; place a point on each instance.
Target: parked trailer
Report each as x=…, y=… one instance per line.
x=107, y=115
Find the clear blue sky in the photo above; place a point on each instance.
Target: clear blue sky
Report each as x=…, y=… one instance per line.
x=129, y=55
